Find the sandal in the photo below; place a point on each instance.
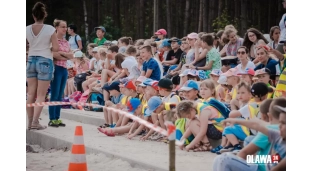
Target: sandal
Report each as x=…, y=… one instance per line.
x=108, y=133
x=204, y=147
x=105, y=126
x=38, y=127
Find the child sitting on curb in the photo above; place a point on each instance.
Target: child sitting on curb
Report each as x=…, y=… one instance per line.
x=134, y=107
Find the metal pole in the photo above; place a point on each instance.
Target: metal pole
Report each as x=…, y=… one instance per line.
x=172, y=138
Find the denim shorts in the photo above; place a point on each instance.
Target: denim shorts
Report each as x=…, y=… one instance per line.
x=40, y=68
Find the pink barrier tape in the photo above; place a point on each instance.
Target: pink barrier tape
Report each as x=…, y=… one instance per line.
x=131, y=116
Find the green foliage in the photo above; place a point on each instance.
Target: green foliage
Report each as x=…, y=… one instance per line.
x=112, y=32
x=220, y=22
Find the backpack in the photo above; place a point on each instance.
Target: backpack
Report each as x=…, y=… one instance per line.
x=78, y=80
x=223, y=109
x=82, y=43
x=180, y=129
x=95, y=98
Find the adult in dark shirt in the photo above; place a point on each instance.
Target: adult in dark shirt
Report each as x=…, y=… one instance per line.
x=267, y=62
x=174, y=55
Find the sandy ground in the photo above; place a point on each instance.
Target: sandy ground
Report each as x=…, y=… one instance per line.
x=57, y=160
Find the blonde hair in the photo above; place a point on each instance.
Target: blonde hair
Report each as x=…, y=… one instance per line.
x=211, y=85
x=102, y=52
x=184, y=108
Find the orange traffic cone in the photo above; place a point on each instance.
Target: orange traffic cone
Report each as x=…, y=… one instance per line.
x=78, y=161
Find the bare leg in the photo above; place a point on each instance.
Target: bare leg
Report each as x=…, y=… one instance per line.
x=161, y=121
x=110, y=118
x=66, y=90
x=105, y=111
x=115, y=117
x=122, y=129
x=32, y=93
x=119, y=120
x=41, y=93
x=224, y=141
x=125, y=121
x=194, y=126
x=106, y=95
x=232, y=139
x=105, y=74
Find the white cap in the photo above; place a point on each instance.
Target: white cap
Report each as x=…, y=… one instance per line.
x=95, y=49
x=78, y=54
x=114, y=42
x=185, y=72
x=222, y=79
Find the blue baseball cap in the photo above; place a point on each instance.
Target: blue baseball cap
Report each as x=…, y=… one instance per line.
x=152, y=104
x=113, y=86
x=146, y=82
x=165, y=43
x=133, y=104
x=100, y=27
x=189, y=85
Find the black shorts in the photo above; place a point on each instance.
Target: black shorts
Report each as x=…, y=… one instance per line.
x=213, y=132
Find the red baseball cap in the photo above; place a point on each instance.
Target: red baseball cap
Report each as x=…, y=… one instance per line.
x=129, y=85
x=161, y=32
x=248, y=71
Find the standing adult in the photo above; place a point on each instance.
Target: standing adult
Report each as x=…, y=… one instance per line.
x=74, y=39
x=39, y=70
x=60, y=73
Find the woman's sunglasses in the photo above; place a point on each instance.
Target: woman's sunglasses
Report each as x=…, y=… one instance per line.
x=243, y=53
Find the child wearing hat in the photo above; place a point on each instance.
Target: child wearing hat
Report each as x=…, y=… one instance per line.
x=115, y=99
x=156, y=105
x=191, y=91
x=134, y=107
x=247, y=75
x=263, y=76
x=233, y=79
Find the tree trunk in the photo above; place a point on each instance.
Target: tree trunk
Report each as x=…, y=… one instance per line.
x=243, y=16
x=141, y=20
x=155, y=15
x=200, y=22
x=168, y=18
x=86, y=21
x=99, y=12
x=220, y=8
x=211, y=13
x=206, y=28
x=186, y=17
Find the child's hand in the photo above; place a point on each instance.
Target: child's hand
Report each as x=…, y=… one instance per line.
x=144, y=138
x=231, y=121
x=187, y=148
x=130, y=136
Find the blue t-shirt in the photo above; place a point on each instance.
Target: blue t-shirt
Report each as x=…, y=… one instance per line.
x=72, y=42
x=262, y=142
x=117, y=99
x=153, y=65
x=273, y=66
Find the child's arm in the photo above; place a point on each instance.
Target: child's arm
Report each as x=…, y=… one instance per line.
x=280, y=166
x=235, y=114
x=255, y=124
x=150, y=132
x=148, y=73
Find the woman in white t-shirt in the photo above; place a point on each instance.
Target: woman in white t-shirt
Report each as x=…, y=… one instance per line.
x=40, y=67
x=242, y=54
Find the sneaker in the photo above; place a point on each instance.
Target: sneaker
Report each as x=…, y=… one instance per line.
x=225, y=149
x=236, y=148
x=53, y=123
x=214, y=150
x=112, y=125
x=60, y=123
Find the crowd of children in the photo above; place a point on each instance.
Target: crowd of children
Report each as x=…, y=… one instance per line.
x=231, y=103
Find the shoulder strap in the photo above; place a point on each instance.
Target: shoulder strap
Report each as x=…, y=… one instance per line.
x=76, y=39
